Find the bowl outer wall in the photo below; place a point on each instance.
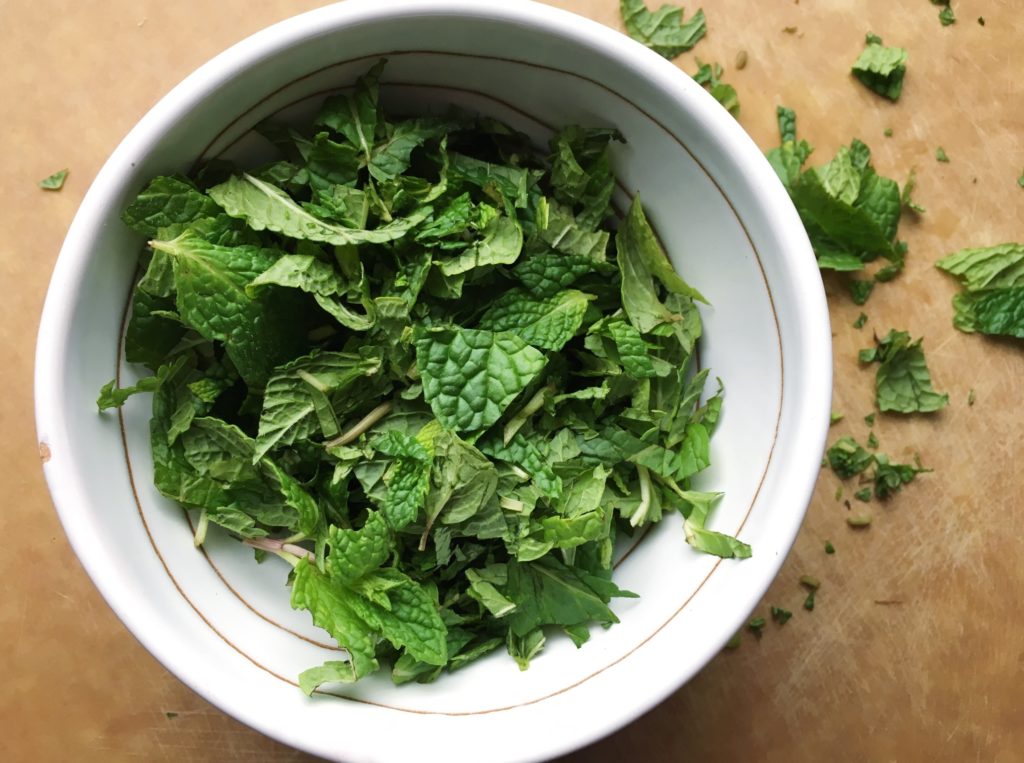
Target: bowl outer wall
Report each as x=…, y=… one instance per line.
x=811, y=368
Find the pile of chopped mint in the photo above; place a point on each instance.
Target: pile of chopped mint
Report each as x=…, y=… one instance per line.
x=413, y=358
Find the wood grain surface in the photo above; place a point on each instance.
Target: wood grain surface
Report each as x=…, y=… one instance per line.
x=915, y=650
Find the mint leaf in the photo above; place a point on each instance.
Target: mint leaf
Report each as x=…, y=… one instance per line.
x=903, y=383
x=264, y=206
x=664, y=30
x=332, y=610
x=847, y=458
x=697, y=535
x=544, y=275
x=168, y=204
x=546, y=324
x=55, y=181
x=291, y=399
x=471, y=376
x=882, y=69
x=112, y=396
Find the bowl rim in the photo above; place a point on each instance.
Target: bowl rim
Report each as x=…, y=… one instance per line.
x=813, y=367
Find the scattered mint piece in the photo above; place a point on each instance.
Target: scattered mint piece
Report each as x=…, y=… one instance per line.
x=861, y=320
x=663, y=30
x=710, y=76
x=903, y=383
x=847, y=458
x=881, y=68
x=940, y=155
x=993, y=299
x=851, y=213
x=864, y=494
x=780, y=615
x=829, y=548
x=55, y=181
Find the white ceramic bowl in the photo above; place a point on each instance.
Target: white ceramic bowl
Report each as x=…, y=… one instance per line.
x=223, y=624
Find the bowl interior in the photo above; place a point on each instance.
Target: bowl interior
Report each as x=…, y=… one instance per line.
x=222, y=622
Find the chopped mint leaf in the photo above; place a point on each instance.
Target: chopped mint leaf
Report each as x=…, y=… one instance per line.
x=946, y=15
x=890, y=477
x=839, y=492
x=1020, y=180
x=903, y=383
x=870, y=419
x=940, y=155
x=881, y=69
x=887, y=132
x=905, y=196
x=993, y=300
x=847, y=458
x=861, y=320
x=780, y=615
x=981, y=20
x=835, y=418
x=809, y=601
x=810, y=582
x=55, y=181
x=859, y=521
x=860, y=290
x=741, y=60
x=850, y=212
x=872, y=441
x=756, y=626
x=864, y=494
x=829, y=548
x=710, y=76
x=872, y=39
x=971, y=397
x=734, y=642
x=663, y=30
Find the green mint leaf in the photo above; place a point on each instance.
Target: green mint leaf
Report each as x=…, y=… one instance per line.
x=544, y=275
x=356, y=115
x=529, y=455
x=168, y=204
x=264, y=206
x=331, y=608
x=696, y=514
x=547, y=592
x=890, y=478
x=848, y=459
x=940, y=155
x=112, y=396
x=211, y=299
x=471, y=376
x=903, y=383
x=501, y=244
x=411, y=621
x=664, y=30
x=994, y=267
x=581, y=172
x=55, y=181
x=546, y=324
x=290, y=402
x=882, y=69
x=356, y=553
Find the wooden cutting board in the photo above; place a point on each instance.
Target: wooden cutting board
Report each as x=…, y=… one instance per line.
x=915, y=649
